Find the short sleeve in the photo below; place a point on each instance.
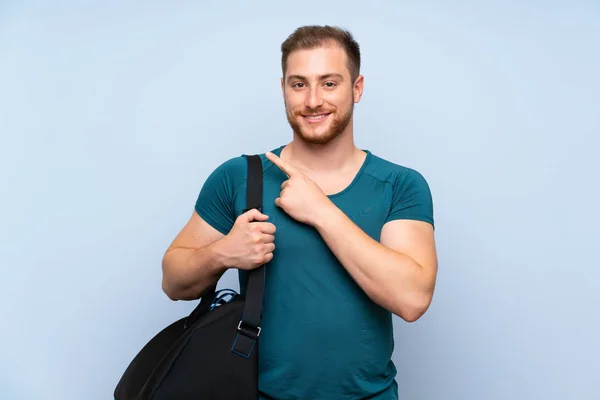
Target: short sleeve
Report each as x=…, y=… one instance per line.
x=215, y=202
x=411, y=198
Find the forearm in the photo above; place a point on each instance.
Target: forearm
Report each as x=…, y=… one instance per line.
x=188, y=272
x=391, y=279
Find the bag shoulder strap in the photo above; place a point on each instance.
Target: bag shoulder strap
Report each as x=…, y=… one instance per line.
x=249, y=326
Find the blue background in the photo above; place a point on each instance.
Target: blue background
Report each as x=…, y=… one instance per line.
x=113, y=113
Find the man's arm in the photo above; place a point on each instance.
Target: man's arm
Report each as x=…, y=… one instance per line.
x=200, y=254
x=398, y=273
x=192, y=263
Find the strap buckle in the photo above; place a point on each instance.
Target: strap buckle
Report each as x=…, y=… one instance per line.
x=249, y=331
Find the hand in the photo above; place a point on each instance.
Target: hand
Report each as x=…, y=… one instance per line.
x=249, y=244
x=301, y=198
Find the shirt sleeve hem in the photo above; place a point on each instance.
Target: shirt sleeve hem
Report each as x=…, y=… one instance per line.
x=213, y=222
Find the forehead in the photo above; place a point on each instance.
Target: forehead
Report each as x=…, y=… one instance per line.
x=318, y=61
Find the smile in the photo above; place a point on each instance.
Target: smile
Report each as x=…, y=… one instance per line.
x=316, y=118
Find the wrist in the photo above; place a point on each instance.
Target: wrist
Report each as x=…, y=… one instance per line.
x=220, y=262
x=324, y=214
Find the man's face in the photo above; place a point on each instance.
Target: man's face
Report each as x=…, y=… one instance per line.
x=319, y=94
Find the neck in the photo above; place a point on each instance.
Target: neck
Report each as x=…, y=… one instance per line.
x=330, y=157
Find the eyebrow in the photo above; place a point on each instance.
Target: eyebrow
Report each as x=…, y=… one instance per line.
x=321, y=77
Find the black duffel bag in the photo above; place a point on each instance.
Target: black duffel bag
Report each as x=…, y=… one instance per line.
x=212, y=353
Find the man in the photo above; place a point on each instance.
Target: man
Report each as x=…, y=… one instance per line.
x=347, y=236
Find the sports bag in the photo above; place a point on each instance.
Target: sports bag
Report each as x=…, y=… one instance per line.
x=213, y=352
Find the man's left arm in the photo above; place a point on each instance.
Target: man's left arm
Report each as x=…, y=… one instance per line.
x=398, y=273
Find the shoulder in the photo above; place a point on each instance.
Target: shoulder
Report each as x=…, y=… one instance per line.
x=237, y=165
x=232, y=173
x=400, y=177
x=224, y=180
x=410, y=193
x=232, y=167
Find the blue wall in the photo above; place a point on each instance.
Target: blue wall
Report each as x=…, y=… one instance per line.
x=112, y=114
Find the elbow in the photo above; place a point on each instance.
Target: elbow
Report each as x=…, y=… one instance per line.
x=171, y=285
x=412, y=309
x=412, y=315
x=169, y=290
x=166, y=283
x=176, y=291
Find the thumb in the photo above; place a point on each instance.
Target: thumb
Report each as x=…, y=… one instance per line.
x=255, y=215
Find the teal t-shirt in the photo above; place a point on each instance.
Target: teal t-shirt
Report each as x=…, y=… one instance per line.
x=322, y=337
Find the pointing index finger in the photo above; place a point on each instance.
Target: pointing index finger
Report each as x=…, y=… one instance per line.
x=282, y=165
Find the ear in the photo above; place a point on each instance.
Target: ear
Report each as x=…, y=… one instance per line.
x=283, y=87
x=358, y=88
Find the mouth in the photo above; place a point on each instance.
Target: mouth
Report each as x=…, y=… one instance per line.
x=316, y=118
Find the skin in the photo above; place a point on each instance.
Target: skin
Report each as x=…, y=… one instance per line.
x=398, y=272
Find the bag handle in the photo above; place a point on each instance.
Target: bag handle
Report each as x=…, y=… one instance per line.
x=249, y=326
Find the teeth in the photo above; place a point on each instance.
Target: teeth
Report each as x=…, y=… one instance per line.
x=316, y=116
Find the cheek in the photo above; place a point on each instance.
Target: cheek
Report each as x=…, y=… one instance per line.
x=339, y=98
x=293, y=102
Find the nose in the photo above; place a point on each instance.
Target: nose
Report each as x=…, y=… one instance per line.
x=313, y=98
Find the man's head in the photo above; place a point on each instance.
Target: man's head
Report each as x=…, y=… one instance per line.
x=321, y=81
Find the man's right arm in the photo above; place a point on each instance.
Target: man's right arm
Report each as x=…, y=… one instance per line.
x=193, y=262
x=200, y=254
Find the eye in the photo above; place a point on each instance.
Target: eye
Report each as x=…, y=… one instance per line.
x=330, y=84
x=298, y=85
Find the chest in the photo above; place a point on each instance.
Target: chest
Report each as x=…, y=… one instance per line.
x=365, y=202
x=366, y=208
x=333, y=184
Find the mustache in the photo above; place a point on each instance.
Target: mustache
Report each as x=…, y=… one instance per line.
x=309, y=111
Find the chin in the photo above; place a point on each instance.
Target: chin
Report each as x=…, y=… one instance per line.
x=320, y=132
x=316, y=138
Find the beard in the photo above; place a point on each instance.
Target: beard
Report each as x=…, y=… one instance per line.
x=337, y=123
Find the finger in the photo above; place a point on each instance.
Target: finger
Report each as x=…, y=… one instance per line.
x=255, y=215
x=278, y=202
x=284, y=184
x=268, y=257
x=265, y=227
x=269, y=248
x=285, y=167
x=266, y=238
